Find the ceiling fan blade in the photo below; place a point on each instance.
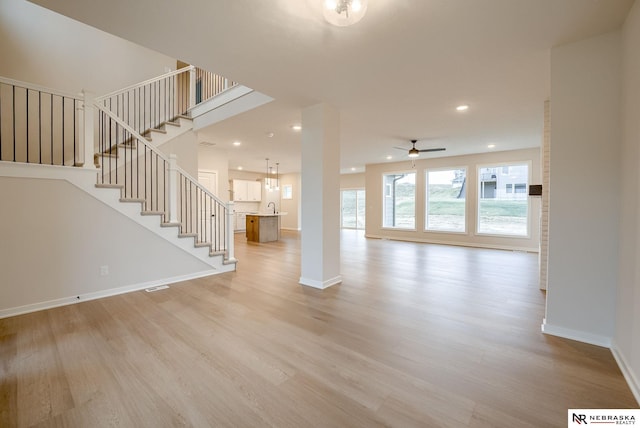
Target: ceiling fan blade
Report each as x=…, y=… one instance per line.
x=432, y=150
x=402, y=148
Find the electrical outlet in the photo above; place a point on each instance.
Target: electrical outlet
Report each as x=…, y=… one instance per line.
x=104, y=270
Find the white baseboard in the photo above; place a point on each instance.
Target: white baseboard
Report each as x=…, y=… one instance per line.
x=580, y=336
x=627, y=371
x=454, y=243
x=34, y=307
x=320, y=284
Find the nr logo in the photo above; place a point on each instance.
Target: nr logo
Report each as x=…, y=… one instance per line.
x=580, y=419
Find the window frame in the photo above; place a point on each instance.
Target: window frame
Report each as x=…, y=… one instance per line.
x=465, y=231
x=384, y=196
x=502, y=165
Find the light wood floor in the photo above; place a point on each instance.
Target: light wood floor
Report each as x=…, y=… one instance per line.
x=416, y=336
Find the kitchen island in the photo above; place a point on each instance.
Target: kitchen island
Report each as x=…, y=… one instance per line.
x=263, y=227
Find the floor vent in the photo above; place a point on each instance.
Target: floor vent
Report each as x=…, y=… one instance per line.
x=159, y=287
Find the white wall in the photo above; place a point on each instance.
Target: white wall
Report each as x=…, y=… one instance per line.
x=291, y=206
x=375, y=172
x=626, y=344
x=42, y=47
x=185, y=147
x=56, y=237
x=585, y=189
x=352, y=181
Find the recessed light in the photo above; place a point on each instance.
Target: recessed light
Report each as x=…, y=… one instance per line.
x=491, y=146
x=270, y=134
x=389, y=157
x=296, y=127
x=463, y=107
x=236, y=143
x=353, y=168
x=240, y=168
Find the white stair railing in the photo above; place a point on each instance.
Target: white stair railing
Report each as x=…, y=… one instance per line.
x=128, y=161
x=40, y=125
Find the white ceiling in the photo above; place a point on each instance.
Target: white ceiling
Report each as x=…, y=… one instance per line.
x=395, y=76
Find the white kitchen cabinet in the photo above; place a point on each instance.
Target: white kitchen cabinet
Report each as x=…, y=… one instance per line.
x=247, y=191
x=240, y=190
x=254, y=191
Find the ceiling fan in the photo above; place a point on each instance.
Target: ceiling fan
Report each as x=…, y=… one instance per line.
x=414, y=153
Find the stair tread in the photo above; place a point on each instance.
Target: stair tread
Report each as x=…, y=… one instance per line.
x=152, y=213
x=109, y=186
x=187, y=235
x=167, y=224
x=142, y=201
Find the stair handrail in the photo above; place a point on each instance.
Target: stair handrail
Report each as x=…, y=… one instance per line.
x=60, y=139
x=217, y=233
x=146, y=82
x=34, y=87
x=154, y=149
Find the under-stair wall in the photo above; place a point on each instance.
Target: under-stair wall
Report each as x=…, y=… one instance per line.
x=61, y=245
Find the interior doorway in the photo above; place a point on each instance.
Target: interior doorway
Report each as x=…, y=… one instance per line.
x=209, y=179
x=352, y=204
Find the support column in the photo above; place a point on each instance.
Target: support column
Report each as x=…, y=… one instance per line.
x=320, y=195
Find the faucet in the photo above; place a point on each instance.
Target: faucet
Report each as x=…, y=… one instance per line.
x=274, y=206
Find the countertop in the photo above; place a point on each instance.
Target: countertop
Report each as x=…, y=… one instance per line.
x=267, y=214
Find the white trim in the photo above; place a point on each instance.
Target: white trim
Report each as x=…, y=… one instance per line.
x=320, y=284
x=85, y=179
x=34, y=87
x=580, y=336
x=10, y=312
x=455, y=243
x=627, y=371
x=146, y=82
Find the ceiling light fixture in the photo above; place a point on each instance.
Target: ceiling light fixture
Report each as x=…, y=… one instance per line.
x=462, y=108
x=296, y=127
x=491, y=146
x=267, y=180
x=389, y=157
x=343, y=13
x=239, y=168
x=236, y=143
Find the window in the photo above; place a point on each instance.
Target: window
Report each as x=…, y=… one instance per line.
x=446, y=200
x=287, y=191
x=399, y=201
x=503, y=207
x=353, y=209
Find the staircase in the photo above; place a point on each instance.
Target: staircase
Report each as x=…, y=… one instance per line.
x=134, y=176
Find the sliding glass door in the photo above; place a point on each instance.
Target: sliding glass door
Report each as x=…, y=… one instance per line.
x=352, y=204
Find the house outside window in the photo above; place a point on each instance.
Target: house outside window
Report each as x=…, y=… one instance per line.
x=446, y=200
x=399, y=200
x=503, y=206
